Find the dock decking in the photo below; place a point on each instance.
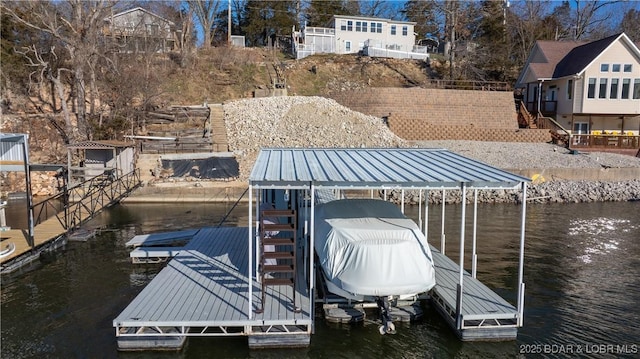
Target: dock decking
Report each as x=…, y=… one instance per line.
x=203, y=291
x=485, y=315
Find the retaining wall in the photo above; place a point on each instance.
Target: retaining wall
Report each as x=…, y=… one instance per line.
x=435, y=114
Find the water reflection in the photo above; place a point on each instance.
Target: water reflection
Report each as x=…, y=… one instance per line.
x=66, y=307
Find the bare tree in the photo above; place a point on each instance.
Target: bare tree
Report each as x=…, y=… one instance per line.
x=589, y=16
x=77, y=25
x=205, y=12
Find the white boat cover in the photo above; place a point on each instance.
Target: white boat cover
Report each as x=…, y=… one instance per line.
x=367, y=247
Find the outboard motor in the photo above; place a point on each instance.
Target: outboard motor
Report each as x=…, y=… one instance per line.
x=387, y=326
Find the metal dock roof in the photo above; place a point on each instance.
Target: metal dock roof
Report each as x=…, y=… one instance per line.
x=376, y=168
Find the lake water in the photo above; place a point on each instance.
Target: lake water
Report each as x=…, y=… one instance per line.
x=582, y=275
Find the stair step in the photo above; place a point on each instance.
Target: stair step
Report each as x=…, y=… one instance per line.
x=278, y=281
x=278, y=227
x=280, y=268
x=278, y=255
x=277, y=241
x=279, y=212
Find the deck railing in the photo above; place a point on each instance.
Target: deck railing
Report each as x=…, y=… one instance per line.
x=605, y=141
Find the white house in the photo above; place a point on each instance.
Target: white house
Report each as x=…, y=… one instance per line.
x=589, y=88
x=354, y=34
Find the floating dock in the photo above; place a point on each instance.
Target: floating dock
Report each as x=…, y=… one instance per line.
x=203, y=292
x=484, y=314
x=221, y=284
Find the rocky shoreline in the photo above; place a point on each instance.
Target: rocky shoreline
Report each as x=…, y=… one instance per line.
x=547, y=192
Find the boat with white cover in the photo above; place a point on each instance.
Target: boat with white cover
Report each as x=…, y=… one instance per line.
x=368, y=249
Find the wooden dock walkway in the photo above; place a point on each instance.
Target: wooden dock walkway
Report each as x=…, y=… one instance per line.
x=485, y=315
x=203, y=291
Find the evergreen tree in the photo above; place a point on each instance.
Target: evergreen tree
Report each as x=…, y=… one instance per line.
x=423, y=14
x=630, y=24
x=492, y=53
x=320, y=12
x=263, y=22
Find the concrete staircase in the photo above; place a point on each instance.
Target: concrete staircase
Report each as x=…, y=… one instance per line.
x=218, y=128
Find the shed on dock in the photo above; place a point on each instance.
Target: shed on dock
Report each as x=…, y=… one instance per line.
x=93, y=158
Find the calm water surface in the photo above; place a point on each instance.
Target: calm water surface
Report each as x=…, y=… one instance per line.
x=582, y=275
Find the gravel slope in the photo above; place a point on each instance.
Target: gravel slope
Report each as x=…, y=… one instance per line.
x=320, y=122
x=515, y=155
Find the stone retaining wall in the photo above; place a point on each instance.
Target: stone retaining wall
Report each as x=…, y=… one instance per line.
x=482, y=109
x=422, y=130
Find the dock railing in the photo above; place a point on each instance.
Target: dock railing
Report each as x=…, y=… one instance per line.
x=78, y=203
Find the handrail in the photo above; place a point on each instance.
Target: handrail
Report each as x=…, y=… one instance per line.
x=471, y=85
x=232, y=207
x=93, y=195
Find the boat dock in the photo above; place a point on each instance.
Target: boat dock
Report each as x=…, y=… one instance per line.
x=222, y=282
x=203, y=292
x=484, y=314
x=53, y=225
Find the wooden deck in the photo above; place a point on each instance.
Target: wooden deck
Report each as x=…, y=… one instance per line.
x=45, y=233
x=203, y=291
x=485, y=315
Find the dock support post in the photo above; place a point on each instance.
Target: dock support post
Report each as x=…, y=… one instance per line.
x=442, y=240
x=402, y=201
x=461, y=273
x=250, y=259
x=521, y=256
x=426, y=215
x=474, y=255
x=312, y=273
x=459, y=307
x=27, y=176
x=420, y=209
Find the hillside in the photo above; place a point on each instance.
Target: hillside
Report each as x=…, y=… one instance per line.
x=222, y=74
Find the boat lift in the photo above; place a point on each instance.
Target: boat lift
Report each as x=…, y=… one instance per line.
x=473, y=311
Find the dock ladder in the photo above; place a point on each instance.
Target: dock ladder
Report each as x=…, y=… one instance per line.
x=278, y=230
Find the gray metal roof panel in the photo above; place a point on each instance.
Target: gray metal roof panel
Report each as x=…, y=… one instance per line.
x=379, y=167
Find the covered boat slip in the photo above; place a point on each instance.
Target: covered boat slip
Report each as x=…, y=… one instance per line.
x=304, y=173
x=203, y=291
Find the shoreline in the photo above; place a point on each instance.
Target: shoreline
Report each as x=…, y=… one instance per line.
x=539, y=191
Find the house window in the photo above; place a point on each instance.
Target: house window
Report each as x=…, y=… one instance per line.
x=636, y=89
x=373, y=27
x=627, y=67
x=349, y=25
x=364, y=26
x=343, y=25
x=613, y=90
x=602, y=91
x=405, y=31
x=379, y=28
x=347, y=46
x=626, y=83
x=591, y=91
x=393, y=29
x=358, y=26
x=615, y=68
x=569, y=89
x=604, y=67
